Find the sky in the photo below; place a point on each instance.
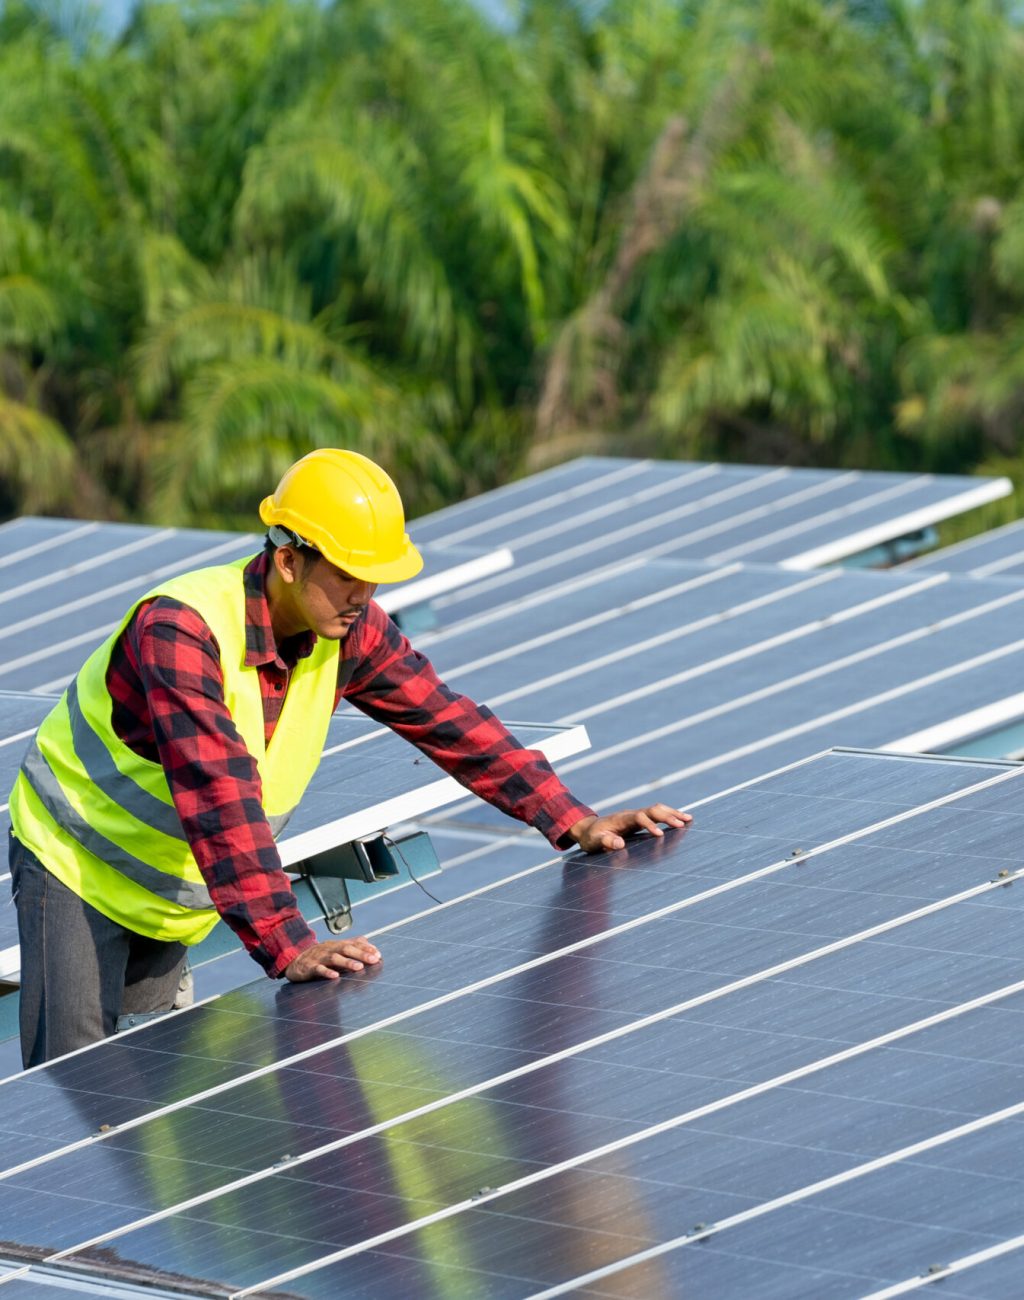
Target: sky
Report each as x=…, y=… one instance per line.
x=114, y=14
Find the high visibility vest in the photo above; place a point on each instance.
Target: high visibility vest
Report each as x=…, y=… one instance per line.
x=101, y=818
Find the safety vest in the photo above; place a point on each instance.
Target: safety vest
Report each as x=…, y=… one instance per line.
x=101, y=817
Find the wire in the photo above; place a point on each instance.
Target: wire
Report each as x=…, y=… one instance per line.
x=412, y=874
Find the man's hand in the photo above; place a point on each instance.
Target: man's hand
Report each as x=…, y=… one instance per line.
x=324, y=961
x=604, y=834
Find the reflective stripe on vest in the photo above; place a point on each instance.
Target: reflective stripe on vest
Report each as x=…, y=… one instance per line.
x=99, y=764
x=183, y=892
x=104, y=772
x=101, y=817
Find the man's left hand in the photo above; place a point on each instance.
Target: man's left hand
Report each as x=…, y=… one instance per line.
x=605, y=834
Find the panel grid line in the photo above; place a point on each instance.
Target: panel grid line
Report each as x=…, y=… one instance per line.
x=601, y=617
x=809, y=525
x=473, y=893
x=812, y=724
x=773, y=643
x=143, y=543
x=575, y=671
x=738, y=702
x=686, y=629
x=495, y=1081
x=165, y=570
x=668, y=516
x=548, y=502
x=47, y=544
x=565, y=521
x=909, y=523
x=822, y=670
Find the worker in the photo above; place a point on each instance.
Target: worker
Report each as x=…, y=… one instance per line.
x=147, y=804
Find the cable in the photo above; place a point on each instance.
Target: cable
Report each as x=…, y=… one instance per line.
x=391, y=844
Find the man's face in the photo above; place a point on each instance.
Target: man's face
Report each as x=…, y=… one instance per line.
x=325, y=599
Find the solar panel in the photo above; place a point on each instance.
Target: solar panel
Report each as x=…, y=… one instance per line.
x=70, y=582
x=775, y=1054
x=997, y=554
x=636, y=510
x=727, y=673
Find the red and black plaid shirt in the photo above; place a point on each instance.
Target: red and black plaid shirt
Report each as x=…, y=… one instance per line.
x=168, y=695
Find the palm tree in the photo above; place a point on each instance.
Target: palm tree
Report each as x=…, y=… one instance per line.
x=768, y=229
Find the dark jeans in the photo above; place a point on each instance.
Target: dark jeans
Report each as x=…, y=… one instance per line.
x=81, y=972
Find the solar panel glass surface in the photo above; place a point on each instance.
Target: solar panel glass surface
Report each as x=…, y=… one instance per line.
x=723, y=1028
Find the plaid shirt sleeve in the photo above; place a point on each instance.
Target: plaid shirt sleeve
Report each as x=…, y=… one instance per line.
x=169, y=668
x=394, y=684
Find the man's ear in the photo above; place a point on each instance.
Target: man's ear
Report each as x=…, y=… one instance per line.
x=288, y=564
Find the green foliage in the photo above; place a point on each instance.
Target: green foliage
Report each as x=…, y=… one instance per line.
x=774, y=230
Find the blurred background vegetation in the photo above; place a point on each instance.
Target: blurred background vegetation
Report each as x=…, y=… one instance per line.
x=783, y=231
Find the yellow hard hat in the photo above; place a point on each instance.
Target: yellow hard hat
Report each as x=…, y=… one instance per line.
x=349, y=509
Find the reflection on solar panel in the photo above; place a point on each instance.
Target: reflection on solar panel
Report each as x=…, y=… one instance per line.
x=69, y=584
x=776, y=1054
x=998, y=554
x=597, y=513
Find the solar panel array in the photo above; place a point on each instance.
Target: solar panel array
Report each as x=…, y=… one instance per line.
x=72, y=580
x=597, y=513
x=771, y=1055
x=775, y=1054
x=665, y=623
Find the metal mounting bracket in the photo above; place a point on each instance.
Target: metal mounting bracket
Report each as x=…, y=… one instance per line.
x=370, y=859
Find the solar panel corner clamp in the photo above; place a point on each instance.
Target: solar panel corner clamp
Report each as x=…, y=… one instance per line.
x=326, y=895
x=369, y=859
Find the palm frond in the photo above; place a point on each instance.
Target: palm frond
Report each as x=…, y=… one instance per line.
x=361, y=180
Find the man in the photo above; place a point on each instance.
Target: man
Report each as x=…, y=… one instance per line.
x=147, y=803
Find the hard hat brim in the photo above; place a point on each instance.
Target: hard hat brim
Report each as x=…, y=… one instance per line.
x=401, y=569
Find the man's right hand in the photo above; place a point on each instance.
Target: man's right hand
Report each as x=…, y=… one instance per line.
x=325, y=961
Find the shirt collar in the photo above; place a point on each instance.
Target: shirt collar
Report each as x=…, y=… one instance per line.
x=260, y=644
